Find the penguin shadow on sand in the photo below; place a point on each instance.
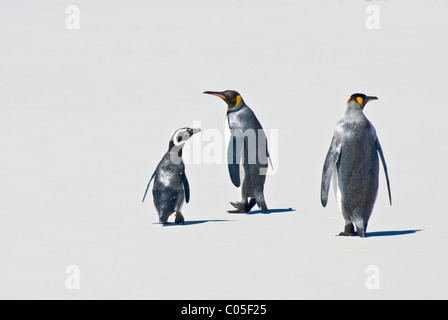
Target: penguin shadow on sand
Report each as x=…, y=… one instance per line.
x=391, y=233
x=188, y=223
x=194, y=222
x=269, y=211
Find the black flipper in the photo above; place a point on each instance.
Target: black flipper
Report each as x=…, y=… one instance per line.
x=234, y=158
x=147, y=187
x=184, y=180
x=330, y=162
x=383, y=161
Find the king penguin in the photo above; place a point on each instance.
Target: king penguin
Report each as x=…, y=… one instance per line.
x=171, y=186
x=353, y=161
x=247, y=146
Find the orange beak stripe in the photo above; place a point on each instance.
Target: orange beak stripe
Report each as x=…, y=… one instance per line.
x=219, y=95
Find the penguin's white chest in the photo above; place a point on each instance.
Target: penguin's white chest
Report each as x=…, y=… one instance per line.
x=168, y=178
x=234, y=124
x=165, y=179
x=234, y=121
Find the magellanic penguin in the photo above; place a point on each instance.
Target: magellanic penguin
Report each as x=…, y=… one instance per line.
x=353, y=160
x=171, y=186
x=247, y=146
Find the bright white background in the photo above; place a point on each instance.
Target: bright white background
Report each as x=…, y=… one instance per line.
x=85, y=116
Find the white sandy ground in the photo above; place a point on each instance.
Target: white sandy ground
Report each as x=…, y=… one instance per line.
x=85, y=116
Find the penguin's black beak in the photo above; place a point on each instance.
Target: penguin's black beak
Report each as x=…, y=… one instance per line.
x=193, y=131
x=370, y=98
x=216, y=93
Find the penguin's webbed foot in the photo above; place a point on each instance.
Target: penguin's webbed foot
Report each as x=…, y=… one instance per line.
x=239, y=208
x=179, y=218
x=348, y=234
x=236, y=211
x=349, y=231
x=242, y=207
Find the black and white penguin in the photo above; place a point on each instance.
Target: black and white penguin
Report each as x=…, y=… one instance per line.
x=171, y=187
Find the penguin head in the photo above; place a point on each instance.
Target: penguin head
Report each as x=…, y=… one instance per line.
x=231, y=97
x=182, y=135
x=360, y=99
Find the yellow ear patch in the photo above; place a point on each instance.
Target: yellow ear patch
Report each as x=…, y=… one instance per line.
x=238, y=100
x=360, y=101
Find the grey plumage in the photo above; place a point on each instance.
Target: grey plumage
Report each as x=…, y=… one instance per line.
x=171, y=187
x=353, y=159
x=247, y=147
